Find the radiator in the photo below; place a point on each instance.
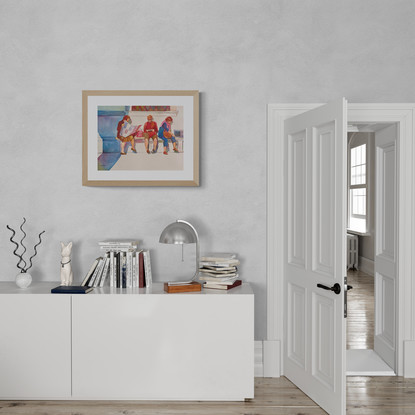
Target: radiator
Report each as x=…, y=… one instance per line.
x=352, y=251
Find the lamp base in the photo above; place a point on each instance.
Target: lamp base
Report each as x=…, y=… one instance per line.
x=193, y=286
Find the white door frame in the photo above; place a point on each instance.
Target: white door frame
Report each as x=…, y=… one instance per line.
x=403, y=115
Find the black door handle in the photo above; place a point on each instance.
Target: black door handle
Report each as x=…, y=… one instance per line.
x=349, y=287
x=336, y=288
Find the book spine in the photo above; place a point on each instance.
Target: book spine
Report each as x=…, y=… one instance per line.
x=135, y=271
x=118, y=243
x=118, y=248
x=117, y=269
x=129, y=269
x=123, y=270
x=120, y=264
x=99, y=272
x=141, y=278
x=219, y=264
x=112, y=273
x=105, y=272
x=94, y=275
x=237, y=283
x=147, y=268
x=99, y=275
x=90, y=272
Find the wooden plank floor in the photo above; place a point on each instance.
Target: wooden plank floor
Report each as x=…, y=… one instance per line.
x=273, y=396
x=276, y=396
x=381, y=395
x=360, y=311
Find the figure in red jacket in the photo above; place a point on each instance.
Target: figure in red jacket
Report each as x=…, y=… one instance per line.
x=150, y=132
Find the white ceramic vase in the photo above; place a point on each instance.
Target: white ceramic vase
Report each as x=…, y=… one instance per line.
x=23, y=280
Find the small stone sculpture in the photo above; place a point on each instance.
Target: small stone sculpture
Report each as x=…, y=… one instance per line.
x=66, y=268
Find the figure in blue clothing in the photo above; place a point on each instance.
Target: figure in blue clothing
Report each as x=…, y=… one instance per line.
x=165, y=133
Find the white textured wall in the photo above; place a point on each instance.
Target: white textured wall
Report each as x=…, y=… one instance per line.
x=241, y=55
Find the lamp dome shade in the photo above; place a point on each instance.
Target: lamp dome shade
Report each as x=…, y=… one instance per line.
x=179, y=232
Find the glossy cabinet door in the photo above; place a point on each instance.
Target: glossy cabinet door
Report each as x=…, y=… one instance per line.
x=35, y=346
x=163, y=346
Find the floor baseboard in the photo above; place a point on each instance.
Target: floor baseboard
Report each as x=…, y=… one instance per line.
x=259, y=363
x=367, y=266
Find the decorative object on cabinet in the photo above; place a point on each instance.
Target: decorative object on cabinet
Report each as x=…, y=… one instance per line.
x=121, y=265
x=66, y=268
x=221, y=286
x=183, y=288
x=71, y=289
x=140, y=138
x=219, y=271
x=182, y=232
x=24, y=279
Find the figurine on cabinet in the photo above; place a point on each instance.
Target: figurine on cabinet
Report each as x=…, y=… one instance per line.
x=66, y=268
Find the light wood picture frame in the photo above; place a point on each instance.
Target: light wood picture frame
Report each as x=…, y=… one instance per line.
x=140, y=138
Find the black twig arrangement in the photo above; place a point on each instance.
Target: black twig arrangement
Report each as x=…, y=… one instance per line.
x=22, y=264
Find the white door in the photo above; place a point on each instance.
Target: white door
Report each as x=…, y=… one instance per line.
x=385, y=245
x=315, y=253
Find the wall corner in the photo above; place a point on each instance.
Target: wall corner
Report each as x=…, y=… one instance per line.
x=272, y=358
x=409, y=358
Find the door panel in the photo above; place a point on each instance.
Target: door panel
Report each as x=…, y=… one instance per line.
x=297, y=335
x=297, y=219
x=386, y=154
x=315, y=235
x=385, y=245
x=323, y=199
x=323, y=340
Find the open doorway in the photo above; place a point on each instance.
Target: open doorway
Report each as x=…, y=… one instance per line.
x=371, y=216
x=402, y=116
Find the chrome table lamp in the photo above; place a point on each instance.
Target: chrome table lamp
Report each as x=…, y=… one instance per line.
x=182, y=232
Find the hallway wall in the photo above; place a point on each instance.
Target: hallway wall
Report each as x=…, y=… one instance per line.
x=240, y=54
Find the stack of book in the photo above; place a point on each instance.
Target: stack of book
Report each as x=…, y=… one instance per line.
x=121, y=265
x=219, y=271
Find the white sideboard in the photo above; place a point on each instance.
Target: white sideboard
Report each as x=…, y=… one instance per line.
x=139, y=344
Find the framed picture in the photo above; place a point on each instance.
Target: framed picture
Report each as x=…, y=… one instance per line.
x=140, y=138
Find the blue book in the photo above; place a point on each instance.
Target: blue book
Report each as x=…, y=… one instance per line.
x=71, y=289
